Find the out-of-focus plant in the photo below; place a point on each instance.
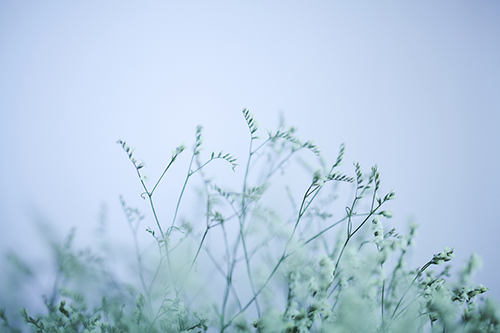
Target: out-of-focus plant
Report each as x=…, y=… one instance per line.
x=248, y=265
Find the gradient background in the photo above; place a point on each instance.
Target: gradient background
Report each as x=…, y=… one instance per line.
x=411, y=86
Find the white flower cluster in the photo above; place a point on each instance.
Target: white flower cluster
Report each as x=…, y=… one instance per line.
x=443, y=257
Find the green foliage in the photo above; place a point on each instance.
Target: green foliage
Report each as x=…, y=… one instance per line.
x=248, y=265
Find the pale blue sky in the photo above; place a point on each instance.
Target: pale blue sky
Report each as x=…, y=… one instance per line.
x=411, y=86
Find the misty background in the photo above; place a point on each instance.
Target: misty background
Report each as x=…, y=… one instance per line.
x=413, y=87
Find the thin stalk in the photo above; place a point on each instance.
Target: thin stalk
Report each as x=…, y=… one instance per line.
x=189, y=174
x=241, y=218
x=408, y=289
x=163, y=174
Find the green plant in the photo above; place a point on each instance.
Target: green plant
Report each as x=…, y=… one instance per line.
x=302, y=268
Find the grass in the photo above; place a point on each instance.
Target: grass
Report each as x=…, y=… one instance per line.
x=251, y=263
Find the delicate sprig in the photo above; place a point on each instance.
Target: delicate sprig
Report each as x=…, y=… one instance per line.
x=297, y=144
x=130, y=152
x=228, y=157
x=253, y=125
